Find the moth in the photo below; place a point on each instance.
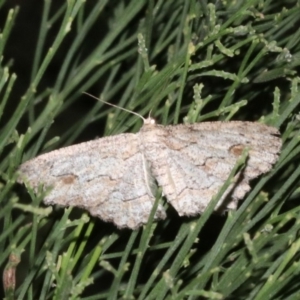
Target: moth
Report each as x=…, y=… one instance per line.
x=115, y=178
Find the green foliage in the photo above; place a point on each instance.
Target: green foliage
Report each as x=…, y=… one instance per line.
x=183, y=61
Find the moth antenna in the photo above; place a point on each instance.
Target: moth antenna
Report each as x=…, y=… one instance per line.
x=116, y=106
